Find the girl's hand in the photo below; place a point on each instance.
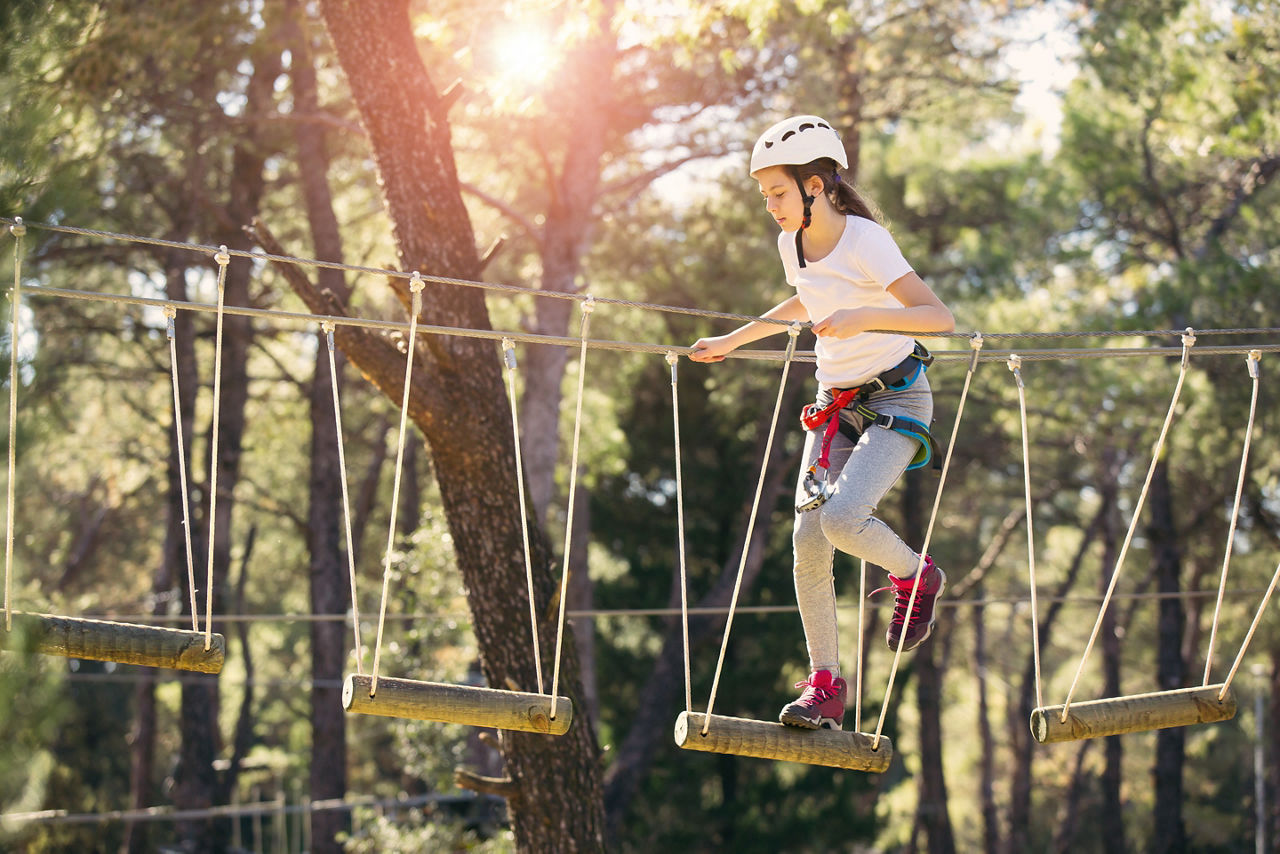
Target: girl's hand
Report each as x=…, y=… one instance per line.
x=711, y=349
x=845, y=323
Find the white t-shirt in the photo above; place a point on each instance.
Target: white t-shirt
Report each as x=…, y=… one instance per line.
x=855, y=274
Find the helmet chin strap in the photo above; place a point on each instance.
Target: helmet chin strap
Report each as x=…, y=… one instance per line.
x=808, y=218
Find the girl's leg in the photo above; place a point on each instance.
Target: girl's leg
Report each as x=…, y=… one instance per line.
x=814, y=580
x=822, y=703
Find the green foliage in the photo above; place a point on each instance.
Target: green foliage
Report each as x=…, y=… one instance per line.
x=1156, y=211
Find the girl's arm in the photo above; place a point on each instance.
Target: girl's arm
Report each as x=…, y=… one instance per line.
x=715, y=349
x=921, y=313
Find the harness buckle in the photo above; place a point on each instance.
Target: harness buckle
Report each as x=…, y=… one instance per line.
x=875, y=385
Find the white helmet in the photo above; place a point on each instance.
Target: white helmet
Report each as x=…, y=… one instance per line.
x=797, y=141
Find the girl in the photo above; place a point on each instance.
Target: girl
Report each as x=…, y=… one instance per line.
x=869, y=422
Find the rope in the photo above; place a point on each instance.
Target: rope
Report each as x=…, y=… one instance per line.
x=1188, y=341
x=509, y=360
x=862, y=612
x=327, y=328
x=794, y=332
x=397, y=274
x=975, y=344
x=673, y=360
x=18, y=230
x=1015, y=365
x=1253, y=627
x=223, y=258
x=587, y=308
x=415, y=287
x=1252, y=361
x=940, y=356
x=538, y=292
x=760, y=610
x=170, y=314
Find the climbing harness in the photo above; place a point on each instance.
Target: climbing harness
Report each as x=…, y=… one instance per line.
x=816, y=488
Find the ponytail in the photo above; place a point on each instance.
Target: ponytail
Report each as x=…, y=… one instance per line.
x=842, y=195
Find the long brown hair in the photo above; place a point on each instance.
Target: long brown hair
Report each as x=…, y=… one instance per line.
x=842, y=195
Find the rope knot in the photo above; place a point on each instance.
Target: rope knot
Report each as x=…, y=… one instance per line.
x=17, y=229
x=588, y=304
x=415, y=282
x=222, y=256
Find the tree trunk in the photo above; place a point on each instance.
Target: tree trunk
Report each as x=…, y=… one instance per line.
x=1170, y=833
x=326, y=540
x=932, y=808
x=1020, y=705
x=196, y=784
x=990, y=815
x=1112, y=807
x=457, y=397
x=142, y=739
x=1064, y=838
x=582, y=598
x=1271, y=752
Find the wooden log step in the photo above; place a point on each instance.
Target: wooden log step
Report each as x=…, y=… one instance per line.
x=772, y=740
x=458, y=704
x=1135, y=713
x=124, y=643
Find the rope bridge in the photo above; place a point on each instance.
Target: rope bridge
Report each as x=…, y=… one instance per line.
x=545, y=711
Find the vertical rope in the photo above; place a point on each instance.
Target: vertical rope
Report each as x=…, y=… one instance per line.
x=327, y=327
x=1252, y=360
x=223, y=259
x=862, y=612
x=509, y=361
x=975, y=343
x=588, y=305
x=1253, y=627
x=1015, y=365
x=673, y=360
x=794, y=332
x=170, y=313
x=18, y=230
x=415, y=287
x=1188, y=340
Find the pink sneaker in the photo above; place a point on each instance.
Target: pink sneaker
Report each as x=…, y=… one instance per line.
x=920, y=625
x=821, y=705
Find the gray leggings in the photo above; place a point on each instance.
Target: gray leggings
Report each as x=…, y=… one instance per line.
x=861, y=475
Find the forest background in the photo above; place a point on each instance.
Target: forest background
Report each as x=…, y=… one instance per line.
x=600, y=148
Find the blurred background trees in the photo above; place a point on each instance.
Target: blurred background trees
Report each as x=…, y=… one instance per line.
x=600, y=148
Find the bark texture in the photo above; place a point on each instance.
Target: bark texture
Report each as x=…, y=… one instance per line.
x=457, y=397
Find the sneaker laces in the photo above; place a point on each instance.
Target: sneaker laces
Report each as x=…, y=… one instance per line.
x=815, y=693
x=901, y=588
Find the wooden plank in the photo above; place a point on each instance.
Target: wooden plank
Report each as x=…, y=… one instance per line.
x=1136, y=713
x=124, y=643
x=457, y=704
x=771, y=740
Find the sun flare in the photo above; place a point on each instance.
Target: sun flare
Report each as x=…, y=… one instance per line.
x=524, y=54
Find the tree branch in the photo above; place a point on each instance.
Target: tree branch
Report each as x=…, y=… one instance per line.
x=523, y=222
x=1257, y=176
x=503, y=787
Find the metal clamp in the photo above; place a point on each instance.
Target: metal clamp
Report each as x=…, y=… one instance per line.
x=818, y=492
